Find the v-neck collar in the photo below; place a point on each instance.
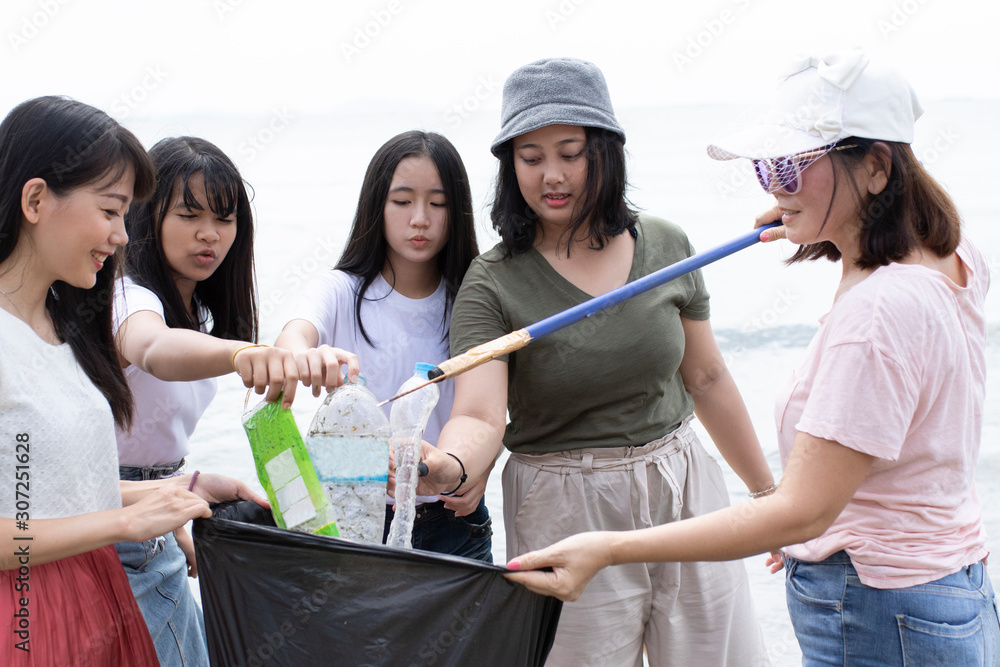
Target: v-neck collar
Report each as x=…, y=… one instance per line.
x=575, y=292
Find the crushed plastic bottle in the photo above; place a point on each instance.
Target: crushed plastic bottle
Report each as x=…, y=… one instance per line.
x=348, y=442
x=408, y=418
x=285, y=471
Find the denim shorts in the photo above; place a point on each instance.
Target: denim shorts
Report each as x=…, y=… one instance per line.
x=157, y=573
x=840, y=621
x=436, y=528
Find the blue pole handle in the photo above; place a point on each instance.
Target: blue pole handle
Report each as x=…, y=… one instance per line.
x=664, y=275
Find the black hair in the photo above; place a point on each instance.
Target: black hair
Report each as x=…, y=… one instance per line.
x=69, y=145
x=365, y=254
x=910, y=212
x=604, y=213
x=229, y=293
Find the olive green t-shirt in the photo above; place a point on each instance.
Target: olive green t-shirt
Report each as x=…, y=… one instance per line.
x=610, y=380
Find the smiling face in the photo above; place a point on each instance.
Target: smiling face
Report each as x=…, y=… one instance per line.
x=416, y=213
x=551, y=168
x=194, y=240
x=77, y=232
x=817, y=212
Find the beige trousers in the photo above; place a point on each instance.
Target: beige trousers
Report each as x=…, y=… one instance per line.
x=688, y=614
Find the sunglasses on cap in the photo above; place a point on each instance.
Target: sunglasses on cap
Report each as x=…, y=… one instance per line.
x=785, y=173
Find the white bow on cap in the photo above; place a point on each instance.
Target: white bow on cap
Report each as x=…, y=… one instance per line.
x=840, y=70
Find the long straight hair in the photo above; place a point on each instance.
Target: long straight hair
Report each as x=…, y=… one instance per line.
x=366, y=252
x=229, y=293
x=70, y=145
x=912, y=211
x=604, y=213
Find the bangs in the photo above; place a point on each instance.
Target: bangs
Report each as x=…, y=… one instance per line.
x=222, y=188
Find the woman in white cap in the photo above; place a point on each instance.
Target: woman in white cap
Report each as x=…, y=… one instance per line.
x=879, y=429
x=600, y=413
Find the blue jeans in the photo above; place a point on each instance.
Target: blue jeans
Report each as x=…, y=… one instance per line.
x=840, y=621
x=157, y=573
x=437, y=529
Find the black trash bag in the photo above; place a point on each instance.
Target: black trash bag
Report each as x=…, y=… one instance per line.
x=279, y=597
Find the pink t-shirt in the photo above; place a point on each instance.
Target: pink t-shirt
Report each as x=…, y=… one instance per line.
x=897, y=370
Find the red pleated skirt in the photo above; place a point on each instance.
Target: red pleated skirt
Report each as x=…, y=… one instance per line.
x=75, y=611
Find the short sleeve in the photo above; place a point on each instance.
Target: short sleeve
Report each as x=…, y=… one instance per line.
x=862, y=399
x=697, y=306
x=477, y=316
x=321, y=299
x=132, y=299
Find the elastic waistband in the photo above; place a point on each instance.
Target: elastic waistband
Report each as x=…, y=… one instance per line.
x=612, y=458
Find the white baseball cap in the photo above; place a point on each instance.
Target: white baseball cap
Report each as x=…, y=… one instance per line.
x=822, y=100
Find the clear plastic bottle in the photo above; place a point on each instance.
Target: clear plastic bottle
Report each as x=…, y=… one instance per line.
x=348, y=443
x=285, y=471
x=408, y=418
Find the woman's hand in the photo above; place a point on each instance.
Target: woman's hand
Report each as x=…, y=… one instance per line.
x=574, y=562
x=766, y=218
x=186, y=544
x=219, y=488
x=775, y=561
x=320, y=367
x=466, y=502
x=268, y=369
x=443, y=472
x=160, y=512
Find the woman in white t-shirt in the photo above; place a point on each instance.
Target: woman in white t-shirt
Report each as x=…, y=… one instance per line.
x=186, y=315
x=877, y=513
x=68, y=173
x=389, y=301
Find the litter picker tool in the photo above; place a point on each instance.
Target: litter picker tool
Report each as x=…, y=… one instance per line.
x=515, y=340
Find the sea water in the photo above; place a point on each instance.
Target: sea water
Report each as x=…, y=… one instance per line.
x=763, y=312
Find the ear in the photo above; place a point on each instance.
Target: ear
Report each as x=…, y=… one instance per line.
x=32, y=194
x=878, y=166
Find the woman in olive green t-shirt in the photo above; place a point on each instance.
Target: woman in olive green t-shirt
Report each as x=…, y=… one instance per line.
x=600, y=411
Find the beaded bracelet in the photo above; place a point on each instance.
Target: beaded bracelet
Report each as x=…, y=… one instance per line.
x=768, y=490
x=244, y=348
x=461, y=480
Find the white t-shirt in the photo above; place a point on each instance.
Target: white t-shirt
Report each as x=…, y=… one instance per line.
x=897, y=370
x=405, y=331
x=68, y=464
x=165, y=412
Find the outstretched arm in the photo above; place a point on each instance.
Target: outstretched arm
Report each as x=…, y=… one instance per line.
x=819, y=480
x=144, y=340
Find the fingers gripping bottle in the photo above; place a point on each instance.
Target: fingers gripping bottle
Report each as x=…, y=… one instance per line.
x=408, y=419
x=285, y=471
x=348, y=443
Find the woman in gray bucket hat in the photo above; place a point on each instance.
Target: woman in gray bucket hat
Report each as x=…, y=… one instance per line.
x=600, y=413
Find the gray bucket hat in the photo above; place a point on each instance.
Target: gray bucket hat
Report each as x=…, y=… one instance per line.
x=555, y=91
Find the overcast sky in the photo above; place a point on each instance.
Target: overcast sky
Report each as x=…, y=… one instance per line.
x=246, y=56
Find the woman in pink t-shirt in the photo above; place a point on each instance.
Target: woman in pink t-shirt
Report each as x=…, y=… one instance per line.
x=877, y=513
